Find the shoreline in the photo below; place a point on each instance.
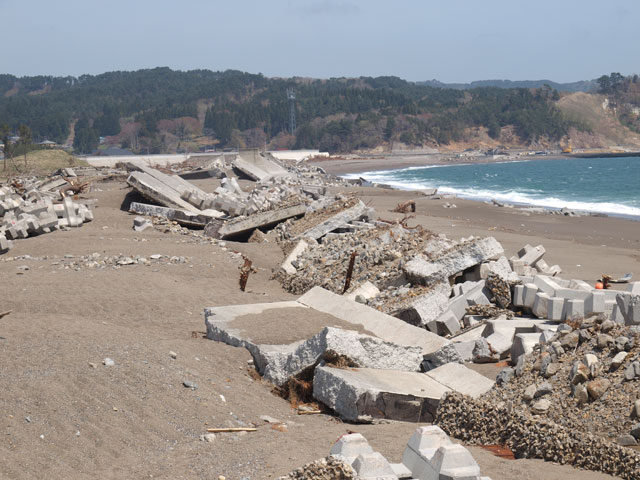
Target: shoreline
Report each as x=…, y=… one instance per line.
x=351, y=168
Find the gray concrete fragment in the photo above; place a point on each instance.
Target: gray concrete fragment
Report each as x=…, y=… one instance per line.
x=287, y=265
x=367, y=290
x=257, y=166
x=379, y=324
x=245, y=225
x=460, y=378
x=356, y=212
x=629, y=306
x=141, y=223
x=156, y=191
x=447, y=354
x=373, y=466
x=424, y=272
x=183, y=217
x=427, y=307
x=363, y=350
x=364, y=394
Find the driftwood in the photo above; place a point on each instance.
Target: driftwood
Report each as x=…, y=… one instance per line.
x=407, y=207
x=4, y=314
x=75, y=186
x=244, y=273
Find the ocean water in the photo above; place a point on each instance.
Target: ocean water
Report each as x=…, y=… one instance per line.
x=602, y=185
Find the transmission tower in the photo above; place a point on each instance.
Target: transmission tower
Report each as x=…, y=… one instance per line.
x=291, y=96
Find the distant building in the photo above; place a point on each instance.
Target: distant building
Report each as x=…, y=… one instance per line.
x=48, y=144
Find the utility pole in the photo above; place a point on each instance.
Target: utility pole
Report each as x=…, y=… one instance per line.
x=291, y=96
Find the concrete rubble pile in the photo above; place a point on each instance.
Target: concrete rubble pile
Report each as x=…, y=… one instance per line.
x=477, y=421
x=33, y=207
x=429, y=455
x=384, y=356
x=278, y=193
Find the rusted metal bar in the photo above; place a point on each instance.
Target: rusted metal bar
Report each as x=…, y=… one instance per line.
x=347, y=282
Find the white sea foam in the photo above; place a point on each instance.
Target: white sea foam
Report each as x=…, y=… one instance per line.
x=512, y=197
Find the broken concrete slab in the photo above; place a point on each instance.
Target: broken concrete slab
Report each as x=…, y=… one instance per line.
x=499, y=267
x=174, y=182
x=287, y=265
x=530, y=255
x=280, y=357
x=338, y=220
x=366, y=291
x=183, y=217
x=447, y=354
x=257, y=166
x=459, y=378
x=245, y=225
x=362, y=350
x=422, y=271
x=428, y=307
x=523, y=344
x=156, y=191
x=362, y=394
x=383, y=326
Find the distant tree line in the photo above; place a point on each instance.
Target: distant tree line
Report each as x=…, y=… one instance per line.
x=337, y=114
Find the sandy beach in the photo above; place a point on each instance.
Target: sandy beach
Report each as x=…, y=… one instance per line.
x=369, y=163
x=66, y=415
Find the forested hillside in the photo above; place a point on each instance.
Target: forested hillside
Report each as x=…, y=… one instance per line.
x=160, y=110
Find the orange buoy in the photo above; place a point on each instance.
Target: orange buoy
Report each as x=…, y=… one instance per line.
x=599, y=286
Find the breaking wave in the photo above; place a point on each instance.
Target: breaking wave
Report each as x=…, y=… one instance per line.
x=522, y=196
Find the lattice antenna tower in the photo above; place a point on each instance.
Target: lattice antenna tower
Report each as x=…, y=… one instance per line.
x=291, y=96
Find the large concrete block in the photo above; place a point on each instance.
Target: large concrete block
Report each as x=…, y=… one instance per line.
x=510, y=328
x=546, y=284
x=258, y=166
x=373, y=466
x=501, y=268
x=447, y=324
x=279, y=362
x=363, y=350
x=460, y=378
x=523, y=343
x=540, y=305
x=245, y=225
x=427, y=307
x=336, y=221
x=633, y=288
x=300, y=247
x=573, y=309
x=530, y=291
x=424, y=272
x=572, y=294
x=501, y=344
x=518, y=296
x=629, y=306
x=555, y=308
x=530, y=255
x=361, y=394
x=454, y=462
x=595, y=303
x=447, y=354
x=421, y=448
x=350, y=446
x=383, y=326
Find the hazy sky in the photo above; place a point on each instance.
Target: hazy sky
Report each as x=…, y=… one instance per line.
x=449, y=40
